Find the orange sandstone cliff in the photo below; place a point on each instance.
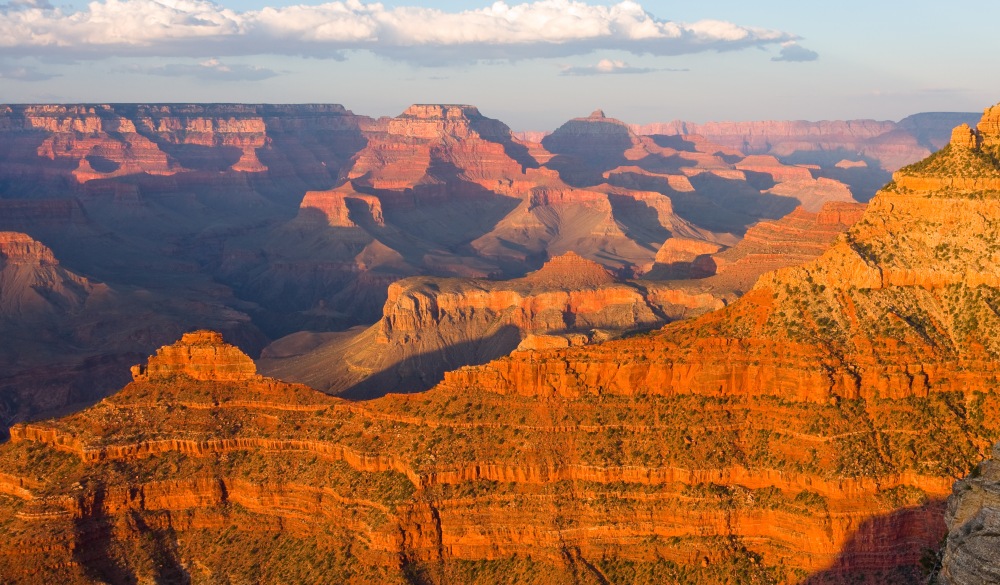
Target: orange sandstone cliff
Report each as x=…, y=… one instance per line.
x=807, y=433
x=264, y=220
x=432, y=325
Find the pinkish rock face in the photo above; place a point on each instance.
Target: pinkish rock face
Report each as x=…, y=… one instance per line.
x=18, y=248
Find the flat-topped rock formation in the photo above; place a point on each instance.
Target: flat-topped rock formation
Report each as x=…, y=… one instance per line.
x=33, y=282
x=436, y=121
x=891, y=144
x=18, y=248
x=200, y=355
x=432, y=325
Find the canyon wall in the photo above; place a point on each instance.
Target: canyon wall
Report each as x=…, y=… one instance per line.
x=808, y=432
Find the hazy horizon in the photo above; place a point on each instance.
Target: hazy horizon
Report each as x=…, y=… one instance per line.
x=532, y=65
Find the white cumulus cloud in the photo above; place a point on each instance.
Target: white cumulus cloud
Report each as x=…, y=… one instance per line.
x=199, y=28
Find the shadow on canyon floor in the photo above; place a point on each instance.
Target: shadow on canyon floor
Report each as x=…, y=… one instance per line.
x=899, y=540
x=423, y=371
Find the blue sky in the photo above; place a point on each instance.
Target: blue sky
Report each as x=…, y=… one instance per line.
x=532, y=64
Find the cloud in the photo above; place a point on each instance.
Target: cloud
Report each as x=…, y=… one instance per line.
x=200, y=28
x=792, y=51
x=608, y=66
x=24, y=73
x=212, y=70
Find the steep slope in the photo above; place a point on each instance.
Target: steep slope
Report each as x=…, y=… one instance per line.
x=215, y=504
x=969, y=554
x=202, y=468
x=806, y=433
x=31, y=280
x=432, y=325
x=263, y=220
x=794, y=239
x=68, y=337
x=880, y=354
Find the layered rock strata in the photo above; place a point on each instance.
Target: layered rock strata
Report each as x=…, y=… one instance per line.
x=432, y=325
x=891, y=144
x=808, y=432
x=890, y=331
x=769, y=245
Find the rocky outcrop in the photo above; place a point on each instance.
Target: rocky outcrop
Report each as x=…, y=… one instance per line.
x=428, y=145
x=344, y=207
x=432, y=325
x=965, y=165
x=684, y=250
x=988, y=128
x=442, y=482
x=200, y=355
x=32, y=282
x=854, y=332
x=770, y=166
x=21, y=249
x=969, y=554
x=585, y=148
x=684, y=258
x=795, y=239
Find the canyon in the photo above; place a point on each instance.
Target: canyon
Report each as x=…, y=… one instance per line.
x=264, y=221
x=807, y=430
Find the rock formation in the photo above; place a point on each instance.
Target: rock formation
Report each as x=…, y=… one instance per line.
x=969, y=554
x=443, y=190
x=892, y=144
x=74, y=334
x=769, y=245
x=31, y=280
x=200, y=355
x=883, y=338
x=432, y=325
x=265, y=220
x=807, y=432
